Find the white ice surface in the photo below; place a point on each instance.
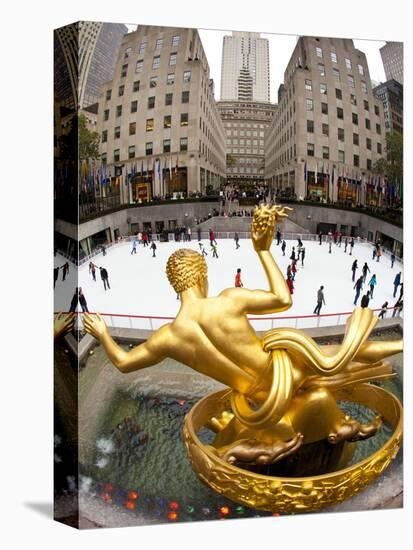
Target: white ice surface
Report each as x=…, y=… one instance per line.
x=139, y=285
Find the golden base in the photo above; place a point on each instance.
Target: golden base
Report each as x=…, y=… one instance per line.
x=292, y=494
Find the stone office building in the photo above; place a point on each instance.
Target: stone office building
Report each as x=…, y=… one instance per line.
x=328, y=130
x=391, y=94
x=245, y=125
x=159, y=123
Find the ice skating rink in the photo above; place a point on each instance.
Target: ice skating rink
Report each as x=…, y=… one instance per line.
x=139, y=285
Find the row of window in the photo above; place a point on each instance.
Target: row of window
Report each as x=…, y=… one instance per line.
x=243, y=125
x=339, y=95
x=246, y=142
x=183, y=147
x=243, y=151
x=340, y=114
x=347, y=61
x=340, y=135
x=341, y=155
x=336, y=75
x=153, y=82
x=242, y=170
x=149, y=126
x=150, y=104
x=159, y=44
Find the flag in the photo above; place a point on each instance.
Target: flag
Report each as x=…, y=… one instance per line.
x=159, y=177
x=305, y=171
x=176, y=166
x=141, y=168
x=316, y=170
x=170, y=168
x=147, y=167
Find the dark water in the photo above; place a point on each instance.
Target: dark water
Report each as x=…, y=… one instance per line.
x=140, y=448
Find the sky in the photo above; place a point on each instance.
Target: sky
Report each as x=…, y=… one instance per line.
x=281, y=47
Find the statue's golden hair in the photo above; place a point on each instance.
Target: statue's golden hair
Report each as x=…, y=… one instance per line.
x=185, y=268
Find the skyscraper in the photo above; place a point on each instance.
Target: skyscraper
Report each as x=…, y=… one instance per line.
x=392, y=57
x=245, y=72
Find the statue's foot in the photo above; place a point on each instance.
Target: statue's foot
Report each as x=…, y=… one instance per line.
x=351, y=430
x=254, y=452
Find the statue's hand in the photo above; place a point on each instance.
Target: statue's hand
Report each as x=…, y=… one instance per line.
x=263, y=224
x=94, y=325
x=63, y=324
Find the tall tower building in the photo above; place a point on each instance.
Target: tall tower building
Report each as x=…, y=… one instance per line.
x=245, y=71
x=392, y=57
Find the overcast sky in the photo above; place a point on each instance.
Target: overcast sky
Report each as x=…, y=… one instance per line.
x=281, y=48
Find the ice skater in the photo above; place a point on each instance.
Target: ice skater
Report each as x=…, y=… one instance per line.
x=401, y=290
x=378, y=254
x=92, y=270
x=278, y=234
x=133, y=247
x=398, y=307
x=290, y=285
x=105, y=277
x=103, y=248
x=351, y=246
x=189, y=234
x=294, y=268
x=153, y=248
x=320, y=300
x=396, y=282
x=236, y=239
x=340, y=238
x=199, y=233
x=365, y=269
x=354, y=268
x=214, y=250
x=330, y=240
x=55, y=275
x=292, y=257
x=283, y=247
x=145, y=239
x=383, y=311
x=238, y=282
x=358, y=286
x=212, y=238
x=302, y=256
x=78, y=297
x=65, y=270
x=320, y=237
x=345, y=245
x=374, y=252
x=289, y=272
x=392, y=258
x=202, y=249
x=365, y=300
x=372, y=284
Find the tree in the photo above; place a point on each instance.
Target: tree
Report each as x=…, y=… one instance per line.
x=88, y=141
x=391, y=165
x=231, y=160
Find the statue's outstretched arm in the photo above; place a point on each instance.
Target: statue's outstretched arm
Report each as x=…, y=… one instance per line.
x=145, y=355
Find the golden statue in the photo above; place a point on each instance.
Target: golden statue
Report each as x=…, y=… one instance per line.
x=283, y=388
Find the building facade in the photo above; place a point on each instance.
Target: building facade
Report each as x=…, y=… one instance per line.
x=391, y=94
x=392, y=57
x=245, y=125
x=85, y=55
x=245, y=72
x=328, y=130
x=159, y=124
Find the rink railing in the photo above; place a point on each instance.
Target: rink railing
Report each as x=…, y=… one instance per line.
x=151, y=322
x=204, y=235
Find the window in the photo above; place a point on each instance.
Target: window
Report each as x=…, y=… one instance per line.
x=151, y=102
x=149, y=124
x=106, y=114
x=128, y=51
x=104, y=136
x=142, y=47
x=339, y=94
x=132, y=128
x=175, y=41
x=336, y=74
x=321, y=69
x=368, y=164
x=124, y=70
x=379, y=148
x=310, y=126
x=378, y=128
x=340, y=134
x=153, y=81
x=308, y=85
x=136, y=86
x=368, y=127
x=361, y=69
x=376, y=110
x=121, y=90
x=108, y=94
x=183, y=144
x=309, y=104
x=184, y=119
x=355, y=118
x=368, y=143
x=158, y=43
x=116, y=155
x=350, y=81
x=324, y=108
x=168, y=99
x=355, y=139
x=348, y=63
x=187, y=76
x=148, y=148
x=324, y=128
x=167, y=120
x=326, y=152
x=363, y=87
x=133, y=106
x=119, y=110
x=116, y=132
x=341, y=156
x=156, y=61
x=340, y=113
x=323, y=88
x=353, y=99
x=170, y=79
x=333, y=57
x=310, y=149
x=366, y=105
x=172, y=59
x=185, y=97
x=139, y=66
x=166, y=145
x=319, y=52
x=131, y=152
x=356, y=160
